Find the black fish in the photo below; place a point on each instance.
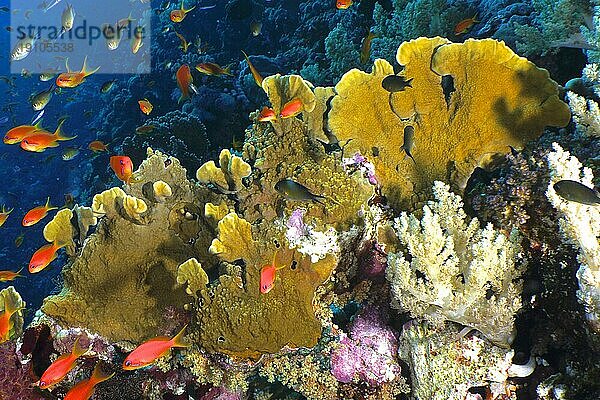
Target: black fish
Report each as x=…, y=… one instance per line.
x=577, y=192
x=293, y=190
x=409, y=141
x=395, y=83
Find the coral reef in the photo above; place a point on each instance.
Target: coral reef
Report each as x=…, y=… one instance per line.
x=442, y=112
x=226, y=178
x=15, y=380
x=580, y=226
x=11, y=300
x=454, y=270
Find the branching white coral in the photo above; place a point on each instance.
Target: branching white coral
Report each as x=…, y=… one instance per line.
x=309, y=241
x=454, y=270
x=580, y=226
x=586, y=112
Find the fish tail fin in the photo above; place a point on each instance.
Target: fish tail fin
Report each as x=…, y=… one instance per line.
x=227, y=70
x=245, y=56
x=67, y=64
x=59, y=134
x=19, y=272
x=409, y=82
x=78, y=349
x=48, y=206
x=183, y=98
x=85, y=71
x=12, y=307
x=188, y=10
x=100, y=375
x=475, y=18
x=178, y=339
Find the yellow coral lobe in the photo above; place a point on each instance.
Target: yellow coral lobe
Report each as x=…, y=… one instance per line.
x=60, y=230
x=134, y=206
x=193, y=275
x=282, y=89
x=162, y=190
x=216, y=213
x=235, y=238
x=468, y=101
x=228, y=176
x=11, y=299
x=105, y=201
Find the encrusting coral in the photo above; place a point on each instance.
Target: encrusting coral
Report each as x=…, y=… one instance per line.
x=296, y=155
x=580, y=226
x=236, y=318
x=467, y=102
x=454, y=270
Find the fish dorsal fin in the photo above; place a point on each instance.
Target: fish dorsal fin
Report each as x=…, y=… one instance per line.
x=38, y=125
x=67, y=65
x=159, y=339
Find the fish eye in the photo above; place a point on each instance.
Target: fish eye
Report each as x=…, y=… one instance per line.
x=26, y=142
x=128, y=363
x=122, y=162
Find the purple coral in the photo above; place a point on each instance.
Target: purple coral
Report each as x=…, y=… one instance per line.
x=296, y=226
x=221, y=393
x=360, y=162
x=15, y=380
x=369, y=353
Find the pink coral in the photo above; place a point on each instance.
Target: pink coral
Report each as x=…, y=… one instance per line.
x=369, y=354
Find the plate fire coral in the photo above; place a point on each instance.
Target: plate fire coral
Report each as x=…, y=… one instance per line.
x=468, y=101
x=236, y=318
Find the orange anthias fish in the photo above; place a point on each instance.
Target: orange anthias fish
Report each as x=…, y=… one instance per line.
x=43, y=257
x=71, y=79
x=255, y=74
x=268, y=273
x=42, y=139
x=85, y=389
x=7, y=276
x=145, y=106
x=267, y=114
x=123, y=167
x=465, y=25
x=97, y=146
x=17, y=134
x=58, y=370
x=4, y=215
x=179, y=14
x=185, y=82
x=291, y=108
x=343, y=4
x=37, y=214
x=5, y=319
x=213, y=69
x=150, y=351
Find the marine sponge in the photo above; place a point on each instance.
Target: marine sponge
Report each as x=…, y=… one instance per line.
x=468, y=101
x=580, y=226
x=454, y=270
x=228, y=177
x=236, y=318
x=10, y=298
